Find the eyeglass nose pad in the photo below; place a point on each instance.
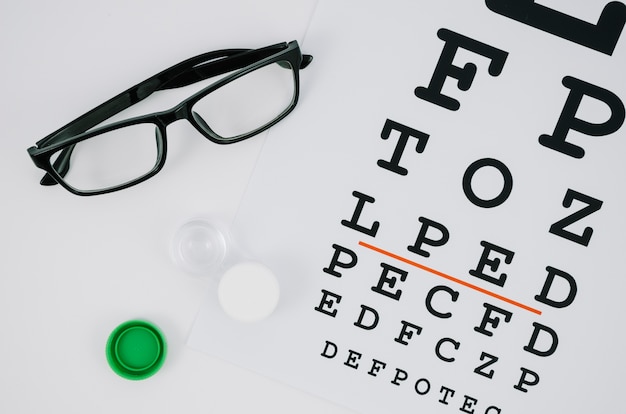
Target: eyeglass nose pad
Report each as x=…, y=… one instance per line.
x=203, y=125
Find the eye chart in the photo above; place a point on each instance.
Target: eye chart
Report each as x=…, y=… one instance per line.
x=444, y=211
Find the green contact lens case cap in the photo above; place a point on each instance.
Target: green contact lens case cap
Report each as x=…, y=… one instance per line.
x=136, y=349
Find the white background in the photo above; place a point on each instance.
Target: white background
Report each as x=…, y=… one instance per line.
x=72, y=268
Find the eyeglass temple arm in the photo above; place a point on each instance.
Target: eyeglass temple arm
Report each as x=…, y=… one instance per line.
x=216, y=68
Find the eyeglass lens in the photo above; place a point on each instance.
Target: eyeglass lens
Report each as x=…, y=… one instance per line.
x=112, y=158
x=247, y=103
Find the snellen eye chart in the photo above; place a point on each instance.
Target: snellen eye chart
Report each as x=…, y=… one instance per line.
x=444, y=211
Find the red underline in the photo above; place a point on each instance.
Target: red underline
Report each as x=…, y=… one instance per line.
x=450, y=278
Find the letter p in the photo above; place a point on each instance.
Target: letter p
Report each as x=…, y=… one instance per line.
x=568, y=120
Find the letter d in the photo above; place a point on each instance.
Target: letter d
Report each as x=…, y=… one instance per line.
x=330, y=350
x=543, y=296
x=374, y=320
x=531, y=347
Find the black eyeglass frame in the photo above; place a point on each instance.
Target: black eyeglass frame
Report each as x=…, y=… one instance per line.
x=198, y=68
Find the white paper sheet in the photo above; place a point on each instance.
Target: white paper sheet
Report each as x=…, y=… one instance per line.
x=413, y=314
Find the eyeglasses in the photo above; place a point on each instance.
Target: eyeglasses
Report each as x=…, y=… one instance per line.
x=256, y=88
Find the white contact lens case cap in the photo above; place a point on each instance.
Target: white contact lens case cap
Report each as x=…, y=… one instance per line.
x=248, y=292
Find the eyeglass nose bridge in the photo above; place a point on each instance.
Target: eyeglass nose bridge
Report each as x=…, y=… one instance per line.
x=177, y=113
x=183, y=111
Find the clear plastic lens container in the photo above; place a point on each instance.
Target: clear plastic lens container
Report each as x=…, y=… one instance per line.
x=199, y=246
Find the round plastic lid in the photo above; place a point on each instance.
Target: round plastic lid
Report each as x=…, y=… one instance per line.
x=248, y=292
x=198, y=247
x=136, y=349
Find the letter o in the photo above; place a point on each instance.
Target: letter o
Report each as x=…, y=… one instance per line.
x=500, y=198
x=417, y=386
